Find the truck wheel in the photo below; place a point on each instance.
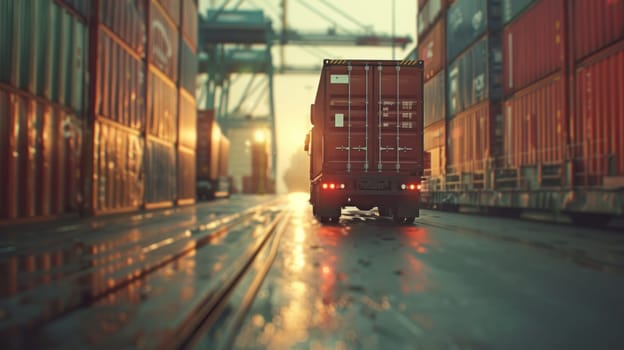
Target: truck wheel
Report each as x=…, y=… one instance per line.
x=325, y=219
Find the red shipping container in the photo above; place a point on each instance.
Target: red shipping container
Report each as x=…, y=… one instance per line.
x=599, y=117
x=164, y=43
x=121, y=84
x=468, y=139
x=8, y=156
x=534, y=45
x=535, y=125
x=432, y=49
x=162, y=107
x=597, y=23
x=189, y=22
x=187, y=120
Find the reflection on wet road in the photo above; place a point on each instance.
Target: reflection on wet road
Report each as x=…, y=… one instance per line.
x=199, y=280
x=366, y=283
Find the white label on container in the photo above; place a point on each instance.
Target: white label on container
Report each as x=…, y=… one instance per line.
x=339, y=120
x=339, y=79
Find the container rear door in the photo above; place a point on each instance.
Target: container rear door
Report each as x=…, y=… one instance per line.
x=348, y=119
x=398, y=119
x=374, y=118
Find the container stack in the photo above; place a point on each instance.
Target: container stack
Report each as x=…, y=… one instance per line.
x=597, y=122
x=473, y=52
x=95, y=110
x=43, y=63
x=432, y=50
x=532, y=114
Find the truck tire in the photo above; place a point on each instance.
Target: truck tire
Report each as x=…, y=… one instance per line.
x=383, y=211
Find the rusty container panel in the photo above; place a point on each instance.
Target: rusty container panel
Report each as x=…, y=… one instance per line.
x=468, y=78
x=187, y=136
x=599, y=118
x=127, y=19
x=435, y=102
x=468, y=140
x=596, y=24
x=512, y=8
x=162, y=107
x=118, y=167
x=164, y=42
x=160, y=172
x=171, y=8
x=535, y=125
x=466, y=21
x=429, y=14
x=190, y=21
x=121, y=84
x=186, y=174
x=208, y=141
x=224, y=156
x=188, y=67
x=369, y=117
x=534, y=45
x=432, y=49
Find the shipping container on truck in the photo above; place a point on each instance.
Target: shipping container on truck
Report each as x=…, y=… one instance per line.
x=210, y=181
x=366, y=143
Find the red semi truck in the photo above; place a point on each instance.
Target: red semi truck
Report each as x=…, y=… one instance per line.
x=366, y=141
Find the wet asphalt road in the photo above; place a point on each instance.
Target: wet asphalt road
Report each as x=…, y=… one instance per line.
x=450, y=281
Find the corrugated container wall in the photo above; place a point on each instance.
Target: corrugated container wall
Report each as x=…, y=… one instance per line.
x=44, y=51
x=435, y=144
x=432, y=49
x=187, y=136
x=597, y=24
x=435, y=102
x=466, y=21
x=162, y=108
x=599, y=119
x=82, y=7
x=428, y=15
x=160, y=172
x=118, y=167
x=511, y=8
x=469, y=139
x=127, y=20
x=121, y=83
x=534, y=45
x=536, y=124
x=475, y=76
x=172, y=9
x=164, y=41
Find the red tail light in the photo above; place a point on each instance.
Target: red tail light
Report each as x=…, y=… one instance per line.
x=332, y=186
x=411, y=187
